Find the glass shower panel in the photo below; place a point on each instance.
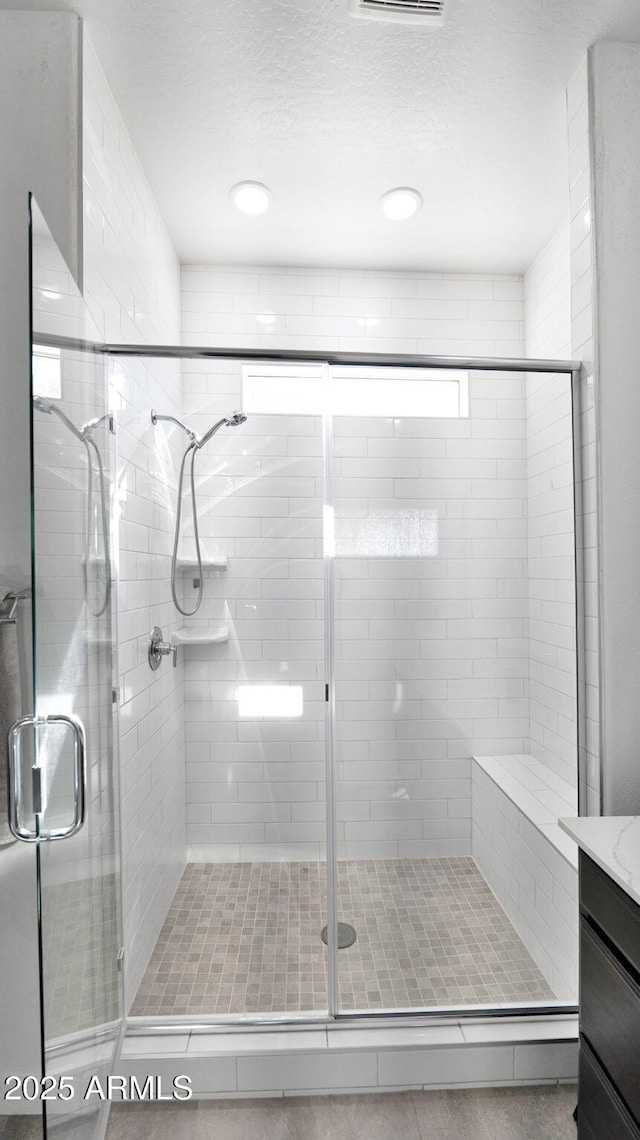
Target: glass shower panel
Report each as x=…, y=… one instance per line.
x=255, y=707
x=453, y=554
x=78, y=876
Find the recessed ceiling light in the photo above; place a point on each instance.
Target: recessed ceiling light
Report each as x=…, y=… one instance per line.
x=250, y=197
x=400, y=203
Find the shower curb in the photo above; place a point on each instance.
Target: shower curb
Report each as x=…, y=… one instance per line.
x=299, y=1061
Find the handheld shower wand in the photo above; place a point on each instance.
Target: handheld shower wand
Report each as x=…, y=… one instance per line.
x=234, y=420
x=195, y=443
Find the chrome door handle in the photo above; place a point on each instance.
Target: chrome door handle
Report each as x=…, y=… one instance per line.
x=15, y=779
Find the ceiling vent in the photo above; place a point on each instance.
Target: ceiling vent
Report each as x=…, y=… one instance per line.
x=427, y=12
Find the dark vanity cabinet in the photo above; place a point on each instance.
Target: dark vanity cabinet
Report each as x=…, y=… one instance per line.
x=609, y=1074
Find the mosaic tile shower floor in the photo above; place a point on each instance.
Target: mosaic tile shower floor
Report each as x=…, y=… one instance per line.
x=245, y=938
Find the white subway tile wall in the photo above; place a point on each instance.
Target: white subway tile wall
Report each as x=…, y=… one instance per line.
x=352, y=310
x=550, y=523
x=582, y=348
x=431, y=652
x=132, y=289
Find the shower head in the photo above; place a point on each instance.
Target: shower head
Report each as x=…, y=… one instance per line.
x=49, y=408
x=234, y=420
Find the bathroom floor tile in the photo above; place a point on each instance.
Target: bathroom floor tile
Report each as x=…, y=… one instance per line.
x=542, y=1112
x=539, y=1113
x=245, y=937
x=21, y=1127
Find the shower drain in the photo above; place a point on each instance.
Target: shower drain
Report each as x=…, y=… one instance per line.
x=346, y=935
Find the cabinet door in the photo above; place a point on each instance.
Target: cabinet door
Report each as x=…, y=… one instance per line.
x=610, y=1014
x=601, y=1114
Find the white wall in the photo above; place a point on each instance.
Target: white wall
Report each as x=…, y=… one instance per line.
x=132, y=289
x=39, y=152
x=614, y=79
x=445, y=632
x=552, y=676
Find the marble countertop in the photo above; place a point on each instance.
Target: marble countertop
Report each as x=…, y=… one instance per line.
x=613, y=842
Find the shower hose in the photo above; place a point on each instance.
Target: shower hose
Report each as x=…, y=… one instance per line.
x=191, y=451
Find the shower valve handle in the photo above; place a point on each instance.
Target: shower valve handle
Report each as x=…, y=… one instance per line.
x=159, y=649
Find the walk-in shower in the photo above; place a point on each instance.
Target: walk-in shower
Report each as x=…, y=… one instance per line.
x=374, y=719
x=195, y=444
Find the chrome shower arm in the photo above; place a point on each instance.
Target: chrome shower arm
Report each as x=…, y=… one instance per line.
x=156, y=417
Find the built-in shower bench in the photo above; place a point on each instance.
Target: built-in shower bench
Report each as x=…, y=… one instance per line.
x=542, y=796
x=529, y=863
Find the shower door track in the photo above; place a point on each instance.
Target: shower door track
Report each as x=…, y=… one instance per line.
x=378, y=1018
x=573, y=368
x=315, y=356
x=178, y=1024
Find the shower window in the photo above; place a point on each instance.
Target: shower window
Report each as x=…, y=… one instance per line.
x=47, y=372
x=354, y=391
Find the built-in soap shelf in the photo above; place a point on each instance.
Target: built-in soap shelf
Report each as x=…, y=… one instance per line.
x=218, y=563
x=214, y=635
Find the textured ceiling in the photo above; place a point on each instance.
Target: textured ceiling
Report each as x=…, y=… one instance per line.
x=331, y=111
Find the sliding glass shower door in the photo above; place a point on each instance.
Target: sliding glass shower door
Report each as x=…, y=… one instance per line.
x=453, y=635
